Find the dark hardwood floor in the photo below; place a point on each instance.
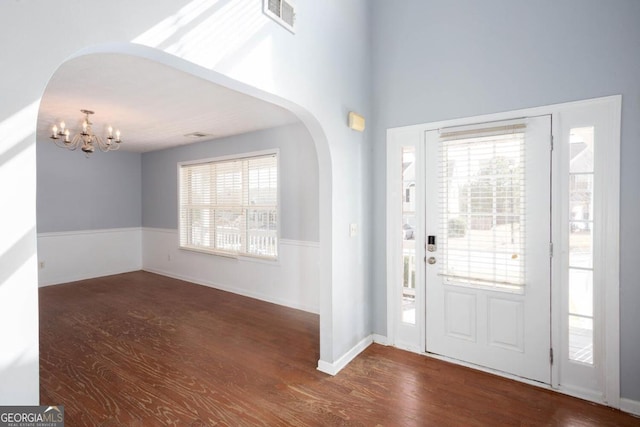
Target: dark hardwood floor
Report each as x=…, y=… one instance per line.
x=140, y=349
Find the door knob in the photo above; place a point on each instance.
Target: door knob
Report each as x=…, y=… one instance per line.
x=431, y=260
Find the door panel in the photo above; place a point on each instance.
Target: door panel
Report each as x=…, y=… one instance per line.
x=505, y=324
x=460, y=315
x=488, y=204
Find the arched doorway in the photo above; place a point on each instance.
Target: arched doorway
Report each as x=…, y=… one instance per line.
x=139, y=54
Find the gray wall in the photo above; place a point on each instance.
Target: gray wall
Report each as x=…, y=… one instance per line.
x=441, y=59
x=298, y=178
x=79, y=193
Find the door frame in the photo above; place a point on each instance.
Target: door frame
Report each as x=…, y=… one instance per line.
x=414, y=339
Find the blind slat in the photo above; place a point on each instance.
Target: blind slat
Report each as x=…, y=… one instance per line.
x=482, y=204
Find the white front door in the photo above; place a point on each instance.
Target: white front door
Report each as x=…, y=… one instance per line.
x=488, y=211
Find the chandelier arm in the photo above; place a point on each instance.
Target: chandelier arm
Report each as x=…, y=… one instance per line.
x=69, y=145
x=60, y=143
x=103, y=146
x=76, y=142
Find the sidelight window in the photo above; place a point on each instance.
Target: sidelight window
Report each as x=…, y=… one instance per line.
x=581, y=221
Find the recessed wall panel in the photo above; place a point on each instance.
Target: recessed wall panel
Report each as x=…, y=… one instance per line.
x=460, y=315
x=505, y=324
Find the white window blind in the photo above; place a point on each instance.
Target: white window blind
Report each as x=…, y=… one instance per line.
x=482, y=206
x=230, y=206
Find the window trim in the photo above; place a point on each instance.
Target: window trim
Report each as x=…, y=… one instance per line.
x=230, y=157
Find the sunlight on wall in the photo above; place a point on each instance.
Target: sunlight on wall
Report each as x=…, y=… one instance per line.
x=18, y=274
x=250, y=68
x=219, y=35
x=226, y=35
x=16, y=128
x=22, y=257
x=15, y=152
x=161, y=32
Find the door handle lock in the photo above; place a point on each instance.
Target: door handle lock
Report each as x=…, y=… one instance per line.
x=431, y=243
x=431, y=260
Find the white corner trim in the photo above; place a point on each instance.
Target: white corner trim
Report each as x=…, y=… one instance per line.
x=161, y=230
x=87, y=232
x=630, y=406
x=380, y=339
x=288, y=242
x=338, y=365
x=305, y=243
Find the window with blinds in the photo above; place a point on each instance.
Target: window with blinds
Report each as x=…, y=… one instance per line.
x=482, y=207
x=230, y=206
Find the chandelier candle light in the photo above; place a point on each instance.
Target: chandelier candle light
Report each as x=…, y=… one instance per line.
x=86, y=139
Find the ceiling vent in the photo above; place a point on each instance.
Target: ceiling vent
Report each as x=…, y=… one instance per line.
x=281, y=11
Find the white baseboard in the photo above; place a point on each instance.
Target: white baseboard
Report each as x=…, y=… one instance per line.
x=78, y=255
x=380, y=339
x=630, y=406
x=233, y=290
x=582, y=393
x=626, y=405
x=338, y=365
x=68, y=278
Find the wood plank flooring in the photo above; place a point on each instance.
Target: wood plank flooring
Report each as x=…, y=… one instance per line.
x=139, y=349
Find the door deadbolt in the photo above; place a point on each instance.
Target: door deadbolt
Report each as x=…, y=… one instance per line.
x=431, y=243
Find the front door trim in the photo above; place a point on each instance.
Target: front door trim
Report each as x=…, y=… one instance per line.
x=415, y=134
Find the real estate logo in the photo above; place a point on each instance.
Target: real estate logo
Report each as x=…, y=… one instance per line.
x=31, y=416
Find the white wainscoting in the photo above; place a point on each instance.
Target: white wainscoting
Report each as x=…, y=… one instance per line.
x=77, y=255
x=292, y=281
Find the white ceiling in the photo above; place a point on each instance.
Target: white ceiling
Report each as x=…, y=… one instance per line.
x=153, y=105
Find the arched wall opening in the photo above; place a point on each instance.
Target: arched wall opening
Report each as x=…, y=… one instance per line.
x=306, y=126
x=317, y=74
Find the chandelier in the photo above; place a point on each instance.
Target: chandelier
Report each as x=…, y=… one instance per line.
x=86, y=140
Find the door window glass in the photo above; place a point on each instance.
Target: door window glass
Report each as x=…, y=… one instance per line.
x=482, y=209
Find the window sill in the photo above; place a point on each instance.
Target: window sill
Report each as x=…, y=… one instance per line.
x=233, y=256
